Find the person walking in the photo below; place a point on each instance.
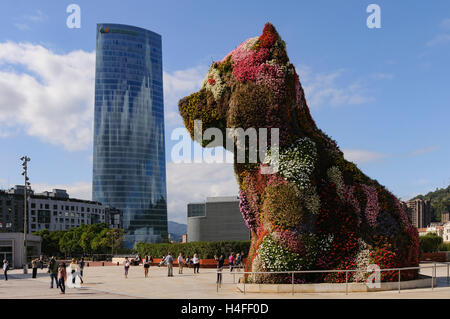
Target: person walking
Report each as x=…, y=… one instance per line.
x=238, y=261
x=73, y=270
x=187, y=261
x=196, y=262
x=220, y=262
x=62, y=276
x=53, y=271
x=126, y=265
x=231, y=261
x=5, y=269
x=34, y=265
x=82, y=263
x=180, y=263
x=146, y=266
x=169, y=261
x=41, y=261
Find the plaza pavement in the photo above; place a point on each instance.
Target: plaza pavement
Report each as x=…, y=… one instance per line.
x=109, y=282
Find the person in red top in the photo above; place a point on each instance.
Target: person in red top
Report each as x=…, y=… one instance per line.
x=231, y=261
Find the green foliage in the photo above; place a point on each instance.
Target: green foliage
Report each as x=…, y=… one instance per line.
x=430, y=243
x=86, y=239
x=440, y=201
x=50, y=241
x=444, y=247
x=204, y=250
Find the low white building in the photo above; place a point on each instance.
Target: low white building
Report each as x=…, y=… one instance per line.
x=446, y=232
x=11, y=248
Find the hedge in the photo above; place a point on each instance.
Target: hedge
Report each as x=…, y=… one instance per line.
x=204, y=250
x=430, y=243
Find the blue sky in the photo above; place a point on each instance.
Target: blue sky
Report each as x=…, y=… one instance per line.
x=382, y=94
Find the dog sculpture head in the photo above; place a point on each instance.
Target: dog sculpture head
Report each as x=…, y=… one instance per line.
x=254, y=86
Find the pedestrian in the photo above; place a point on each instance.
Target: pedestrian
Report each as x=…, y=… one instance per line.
x=62, y=276
x=146, y=266
x=53, y=271
x=169, y=261
x=73, y=270
x=5, y=269
x=196, y=262
x=34, y=265
x=180, y=263
x=187, y=262
x=238, y=261
x=126, y=265
x=231, y=261
x=82, y=263
x=220, y=262
x=41, y=261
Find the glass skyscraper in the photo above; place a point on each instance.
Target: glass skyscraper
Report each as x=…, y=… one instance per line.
x=129, y=171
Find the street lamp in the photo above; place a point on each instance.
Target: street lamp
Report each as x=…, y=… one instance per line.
x=25, y=160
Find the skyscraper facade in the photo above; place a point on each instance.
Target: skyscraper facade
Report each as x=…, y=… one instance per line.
x=129, y=171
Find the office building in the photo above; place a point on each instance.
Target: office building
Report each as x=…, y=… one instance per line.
x=11, y=211
x=419, y=212
x=129, y=170
x=53, y=211
x=219, y=218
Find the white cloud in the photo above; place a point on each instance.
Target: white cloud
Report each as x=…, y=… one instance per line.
x=38, y=16
x=444, y=36
x=48, y=95
x=177, y=85
x=79, y=190
x=424, y=150
x=445, y=24
x=362, y=156
x=188, y=183
x=322, y=88
x=439, y=39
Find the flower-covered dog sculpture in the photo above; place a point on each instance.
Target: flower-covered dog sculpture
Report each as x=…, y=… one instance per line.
x=318, y=211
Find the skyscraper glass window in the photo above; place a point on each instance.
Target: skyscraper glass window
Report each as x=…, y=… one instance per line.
x=129, y=171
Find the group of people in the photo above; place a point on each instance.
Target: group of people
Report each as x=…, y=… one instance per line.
x=234, y=261
x=58, y=272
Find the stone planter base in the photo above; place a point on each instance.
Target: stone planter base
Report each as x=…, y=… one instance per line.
x=422, y=282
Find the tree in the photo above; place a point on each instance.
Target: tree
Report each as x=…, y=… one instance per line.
x=113, y=238
x=50, y=241
x=70, y=241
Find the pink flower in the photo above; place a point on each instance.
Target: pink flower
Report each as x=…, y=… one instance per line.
x=372, y=207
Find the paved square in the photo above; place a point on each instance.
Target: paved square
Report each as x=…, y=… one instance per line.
x=109, y=282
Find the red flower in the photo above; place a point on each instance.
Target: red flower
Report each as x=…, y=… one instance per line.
x=211, y=81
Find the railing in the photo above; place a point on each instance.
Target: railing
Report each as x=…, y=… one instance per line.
x=346, y=271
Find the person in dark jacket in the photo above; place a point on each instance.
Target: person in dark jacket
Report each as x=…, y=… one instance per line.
x=220, y=262
x=53, y=271
x=34, y=265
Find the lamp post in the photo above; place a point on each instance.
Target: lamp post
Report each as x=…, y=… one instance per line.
x=25, y=159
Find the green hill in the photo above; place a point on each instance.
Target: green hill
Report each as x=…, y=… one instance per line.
x=440, y=201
